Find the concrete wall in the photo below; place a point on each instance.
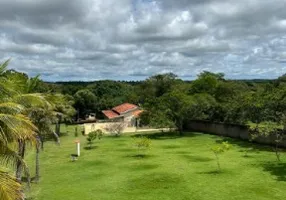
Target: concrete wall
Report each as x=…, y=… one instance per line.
x=229, y=130
x=89, y=127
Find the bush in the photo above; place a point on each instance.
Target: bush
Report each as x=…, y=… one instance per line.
x=98, y=134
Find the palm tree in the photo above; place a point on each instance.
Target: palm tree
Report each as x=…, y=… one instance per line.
x=43, y=118
x=63, y=109
x=25, y=96
x=14, y=127
x=44, y=113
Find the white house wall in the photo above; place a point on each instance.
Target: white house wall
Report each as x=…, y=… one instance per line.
x=95, y=126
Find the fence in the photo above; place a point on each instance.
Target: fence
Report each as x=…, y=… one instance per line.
x=230, y=130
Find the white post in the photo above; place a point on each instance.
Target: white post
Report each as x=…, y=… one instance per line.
x=77, y=147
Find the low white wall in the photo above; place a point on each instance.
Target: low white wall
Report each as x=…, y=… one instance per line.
x=95, y=126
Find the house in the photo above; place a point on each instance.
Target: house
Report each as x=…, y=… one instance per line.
x=127, y=113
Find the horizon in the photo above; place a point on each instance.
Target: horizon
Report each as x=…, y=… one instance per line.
x=131, y=40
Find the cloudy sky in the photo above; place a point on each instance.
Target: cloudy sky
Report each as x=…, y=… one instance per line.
x=133, y=39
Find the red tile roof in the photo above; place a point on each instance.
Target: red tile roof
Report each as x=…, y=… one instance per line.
x=136, y=113
x=124, y=107
x=110, y=114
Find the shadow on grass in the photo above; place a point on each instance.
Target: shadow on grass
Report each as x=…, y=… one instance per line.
x=165, y=135
x=213, y=172
x=155, y=181
x=171, y=146
x=181, y=152
x=140, y=156
x=276, y=169
x=192, y=158
x=250, y=146
x=142, y=167
x=124, y=150
x=90, y=148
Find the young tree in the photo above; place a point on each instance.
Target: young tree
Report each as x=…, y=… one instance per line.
x=219, y=149
x=266, y=129
x=142, y=144
x=92, y=136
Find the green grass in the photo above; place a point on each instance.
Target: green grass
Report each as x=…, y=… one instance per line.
x=174, y=167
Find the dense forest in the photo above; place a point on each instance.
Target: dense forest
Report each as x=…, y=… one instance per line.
x=168, y=100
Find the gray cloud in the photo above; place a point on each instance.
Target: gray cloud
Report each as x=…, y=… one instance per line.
x=133, y=39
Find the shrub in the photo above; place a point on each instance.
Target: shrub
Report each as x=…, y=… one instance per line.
x=90, y=138
x=219, y=149
x=98, y=134
x=142, y=143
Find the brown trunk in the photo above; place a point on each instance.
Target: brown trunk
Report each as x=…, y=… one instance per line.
x=57, y=138
x=37, y=175
x=40, y=140
x=58, y=125
x=21, y=153
x=180, y=128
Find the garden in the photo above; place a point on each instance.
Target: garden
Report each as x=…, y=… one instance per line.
x=159, y=166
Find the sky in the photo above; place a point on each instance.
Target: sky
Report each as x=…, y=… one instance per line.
x=69, y=40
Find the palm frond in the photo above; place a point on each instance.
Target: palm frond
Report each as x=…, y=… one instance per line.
x=32, y=83
x=10, y=107
x=29, y=100
x=3, y=66
x=17, y=127
x=7, y=88
x=10, y=189
x=9, y=157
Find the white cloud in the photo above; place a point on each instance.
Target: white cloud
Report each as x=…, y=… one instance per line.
x=133, y=39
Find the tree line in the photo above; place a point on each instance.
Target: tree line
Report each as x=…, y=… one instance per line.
x=170, y=101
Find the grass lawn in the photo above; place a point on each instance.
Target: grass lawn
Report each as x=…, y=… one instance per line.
x=175, y=168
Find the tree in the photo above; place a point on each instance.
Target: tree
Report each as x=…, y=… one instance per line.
x=142, y=143
x=219, y=149
x=266, y=129
x=155, y=118
x=90, y=138
x=44, y=117
x=180, y=107
x=207, y=82
x=62, y=107
x=33, y=103
x=85, y=102
x=14, y=127
x=98, y=134
x=156, y=86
